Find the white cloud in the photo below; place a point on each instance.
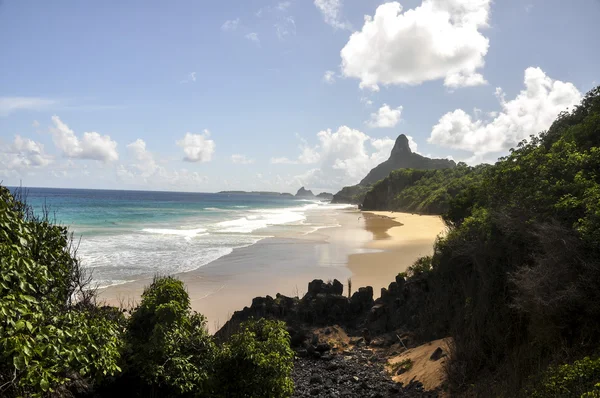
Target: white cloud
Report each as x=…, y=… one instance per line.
x=285, y=26
x=241, y=159
x=438, y=39
x=532, y=111
x=191, y=78
x=197, y=147
x=24, y=154
x=344, y=157
x=9, y=105
x=91, y=146
x=253, y=37
x=331, y=10
x=385, y=117
x=35, y=124
x=329, y=77
x=144, y=160
x=230, y=25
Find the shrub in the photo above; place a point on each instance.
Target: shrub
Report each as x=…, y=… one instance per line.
x=50, y=330
x=257, y=361
x=168, y=346
x=420, y=267
x=581, y=378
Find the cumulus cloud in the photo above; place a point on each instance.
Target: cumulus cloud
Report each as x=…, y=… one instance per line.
x=343, y=157
x=197, y=147
x=23, y=154
x=230, y=25
x=91, y=146
x=331, y=11
x=329, y=77
x=282, y=160
x=532, y=111
x=144, y=160
x=9, y=105
x=385, y=117
x=438, y=39
x=241, y=159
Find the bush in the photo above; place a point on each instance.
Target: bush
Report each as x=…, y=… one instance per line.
x=168, y=346
x=50, y=330
x=581, y=378
x=257, y=361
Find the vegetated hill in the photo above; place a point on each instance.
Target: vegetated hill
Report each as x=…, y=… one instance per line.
x=515, y=281
x=421, y=191
x=401, y=157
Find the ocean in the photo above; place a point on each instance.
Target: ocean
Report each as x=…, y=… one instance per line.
x=129, y=235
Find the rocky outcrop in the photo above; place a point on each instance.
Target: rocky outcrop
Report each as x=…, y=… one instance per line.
x=304, y=193
x=352, y=195
x=322, y=305
x=325, y=196
x=402, y=157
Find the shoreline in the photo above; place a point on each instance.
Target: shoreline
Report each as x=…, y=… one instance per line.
x=368, y=247
x=398, y=242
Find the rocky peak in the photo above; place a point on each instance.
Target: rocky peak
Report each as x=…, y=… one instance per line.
x=401, y=147
x=304, y=193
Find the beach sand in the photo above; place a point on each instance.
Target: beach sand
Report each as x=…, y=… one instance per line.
x=399, y=239
x=371, y=248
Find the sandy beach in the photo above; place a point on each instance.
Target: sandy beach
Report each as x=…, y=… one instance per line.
x=369, y=247
x=399, y=239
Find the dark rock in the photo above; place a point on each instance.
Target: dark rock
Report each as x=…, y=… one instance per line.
x=357, y=341
x=303, y=193
x=315, y=391
x=437, y=354
x=322, y=347
x=316, y=379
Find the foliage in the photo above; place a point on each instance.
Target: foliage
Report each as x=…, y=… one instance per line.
x=422, y=191
x=420, y=267
x=515, y=280
x=401, y=366
x=50, y=333
x=581, y=378
x=168, y=345
x=354, y=194
x=257, y=361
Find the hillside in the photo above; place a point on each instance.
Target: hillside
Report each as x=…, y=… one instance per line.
x=401, y=157
x=422, y=191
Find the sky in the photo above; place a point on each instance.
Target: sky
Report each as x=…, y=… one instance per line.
x=272, y=95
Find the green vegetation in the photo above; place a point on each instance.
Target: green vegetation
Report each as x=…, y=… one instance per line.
x=50, y=325
x=515, y=281
x=422, y=191
x=579, y=379
x=55, y=339
x=401, y=366
x=257, y=361
x=353, y=195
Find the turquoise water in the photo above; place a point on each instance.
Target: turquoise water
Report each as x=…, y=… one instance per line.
x=128, y=235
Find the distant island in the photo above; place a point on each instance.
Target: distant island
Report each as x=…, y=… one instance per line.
x=262, y=193
x=302, y=193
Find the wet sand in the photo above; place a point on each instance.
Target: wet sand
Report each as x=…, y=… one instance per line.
x=371, y=248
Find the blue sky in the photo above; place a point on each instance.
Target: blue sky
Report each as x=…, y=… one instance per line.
x=271, y=95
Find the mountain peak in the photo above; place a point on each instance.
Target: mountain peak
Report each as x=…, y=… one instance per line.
x=401, y=147
x=304, y=193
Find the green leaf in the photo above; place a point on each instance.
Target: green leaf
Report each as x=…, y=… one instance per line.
x=19, y=362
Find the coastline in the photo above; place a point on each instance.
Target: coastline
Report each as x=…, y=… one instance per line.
x=371, y=248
